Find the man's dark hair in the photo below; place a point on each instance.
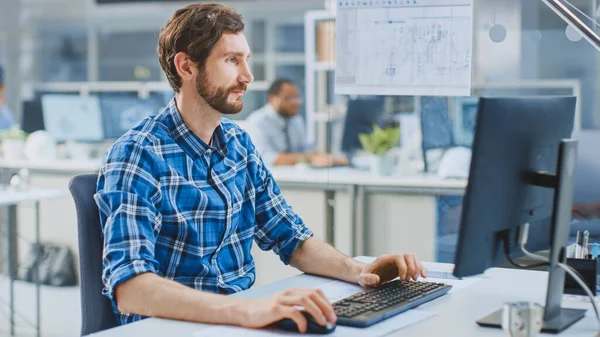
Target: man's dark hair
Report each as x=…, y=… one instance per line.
x=195, y=30
x=275, y=87
x=1, y=77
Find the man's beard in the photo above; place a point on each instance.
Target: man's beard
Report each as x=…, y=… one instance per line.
x=217, y=98
x=285, y=113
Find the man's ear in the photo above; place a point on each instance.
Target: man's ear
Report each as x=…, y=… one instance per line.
x=184, y=65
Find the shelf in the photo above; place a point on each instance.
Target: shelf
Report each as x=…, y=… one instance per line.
x=324, y=66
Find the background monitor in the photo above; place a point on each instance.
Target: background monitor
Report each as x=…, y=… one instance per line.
x=32, y=118
x=361, y=114
x=465, y=116
x=72, y=117
x=120, y=113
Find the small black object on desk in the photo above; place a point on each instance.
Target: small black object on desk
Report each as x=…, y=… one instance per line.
x=588, y=269
x=313, y=327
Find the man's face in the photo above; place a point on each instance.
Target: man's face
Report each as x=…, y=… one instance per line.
x=226, y=74
x=1, y=95
x=287, y=102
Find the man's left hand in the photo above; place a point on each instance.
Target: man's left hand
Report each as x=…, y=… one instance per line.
x=388, y=267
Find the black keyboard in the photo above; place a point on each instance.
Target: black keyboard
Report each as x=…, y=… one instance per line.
x=376, y=304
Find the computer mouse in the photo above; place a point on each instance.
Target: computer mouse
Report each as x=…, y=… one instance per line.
x=313, y=327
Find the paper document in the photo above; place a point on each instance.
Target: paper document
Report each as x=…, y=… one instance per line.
x=337, y=290
x=455, y=283
x=397, y=47
x=397, y=322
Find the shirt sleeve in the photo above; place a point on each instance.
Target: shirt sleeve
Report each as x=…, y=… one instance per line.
x=261, y=141
x=7, y=120
x=278, y=227
x=308, y=145
x=128, y=195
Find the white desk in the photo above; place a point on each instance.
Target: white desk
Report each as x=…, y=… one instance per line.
x=350, y=208
x=11, y=199
x=455, y=314
x=61, y=166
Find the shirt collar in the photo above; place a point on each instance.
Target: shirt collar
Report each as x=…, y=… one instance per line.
x=187, y=139
x=272, y=113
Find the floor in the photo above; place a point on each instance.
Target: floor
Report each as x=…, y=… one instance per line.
x=60, y=312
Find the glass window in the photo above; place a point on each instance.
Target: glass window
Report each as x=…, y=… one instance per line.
x=289, y=38
x=128, y=56
x=297, y=75
x=63, y=54
x=259, y=71
x=258, y=35
x=253, y=100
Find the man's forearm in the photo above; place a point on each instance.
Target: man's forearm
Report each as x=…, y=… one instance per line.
x=289, y=158
x=316, y=257
x=151, y=295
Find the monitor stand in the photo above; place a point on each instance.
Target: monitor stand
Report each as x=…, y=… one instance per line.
x=563, y=320
x=556, y=319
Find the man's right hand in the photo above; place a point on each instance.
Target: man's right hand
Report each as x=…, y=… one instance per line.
x=263, y=312
x=586, y=211
x=327, y=160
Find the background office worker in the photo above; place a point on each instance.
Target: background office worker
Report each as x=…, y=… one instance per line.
x=183, y=195
x=7, y=119
x=278, y=131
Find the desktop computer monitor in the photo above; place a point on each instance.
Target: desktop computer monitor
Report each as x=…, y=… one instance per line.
x=32, y=118
x=463, y=121
x=73, y=117
x=521, y=173
x=120, y=113
x=361, y=114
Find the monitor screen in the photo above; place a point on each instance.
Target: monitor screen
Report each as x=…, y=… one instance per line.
x=120, y=113
x=465, y=116
x=72, y=117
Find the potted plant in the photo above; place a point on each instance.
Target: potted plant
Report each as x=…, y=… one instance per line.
x=378, y=143
x=13, y=142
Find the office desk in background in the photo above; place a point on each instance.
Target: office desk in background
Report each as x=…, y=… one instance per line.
x=10, y=199
x=356, y=212
x=454, y=314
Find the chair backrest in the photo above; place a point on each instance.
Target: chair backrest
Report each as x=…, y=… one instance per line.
x=96, y=309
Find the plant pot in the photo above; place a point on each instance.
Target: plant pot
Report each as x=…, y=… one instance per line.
x=382, y=166
x=13, y=148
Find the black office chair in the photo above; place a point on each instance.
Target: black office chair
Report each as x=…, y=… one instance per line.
x=96, y=309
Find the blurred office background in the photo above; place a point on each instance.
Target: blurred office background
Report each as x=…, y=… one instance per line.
x=99, y=58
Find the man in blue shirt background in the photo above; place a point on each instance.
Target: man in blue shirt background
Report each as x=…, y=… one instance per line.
x=278, y=131
x=183, y=195
x=7, y=119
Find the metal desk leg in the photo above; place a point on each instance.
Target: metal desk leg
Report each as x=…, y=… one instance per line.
x=330, y=216
x=360, y=238
x=11, y=257
x=37, y=269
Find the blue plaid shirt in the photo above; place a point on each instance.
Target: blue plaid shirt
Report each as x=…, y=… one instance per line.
x=174, y=206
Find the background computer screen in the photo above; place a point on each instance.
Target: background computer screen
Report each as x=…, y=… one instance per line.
x=32, y=117
x=72, y=117
x=465, y=117
x=361, y=114
x=121, y=113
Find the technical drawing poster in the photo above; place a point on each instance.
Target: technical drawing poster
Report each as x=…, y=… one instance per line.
x=404, y=47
